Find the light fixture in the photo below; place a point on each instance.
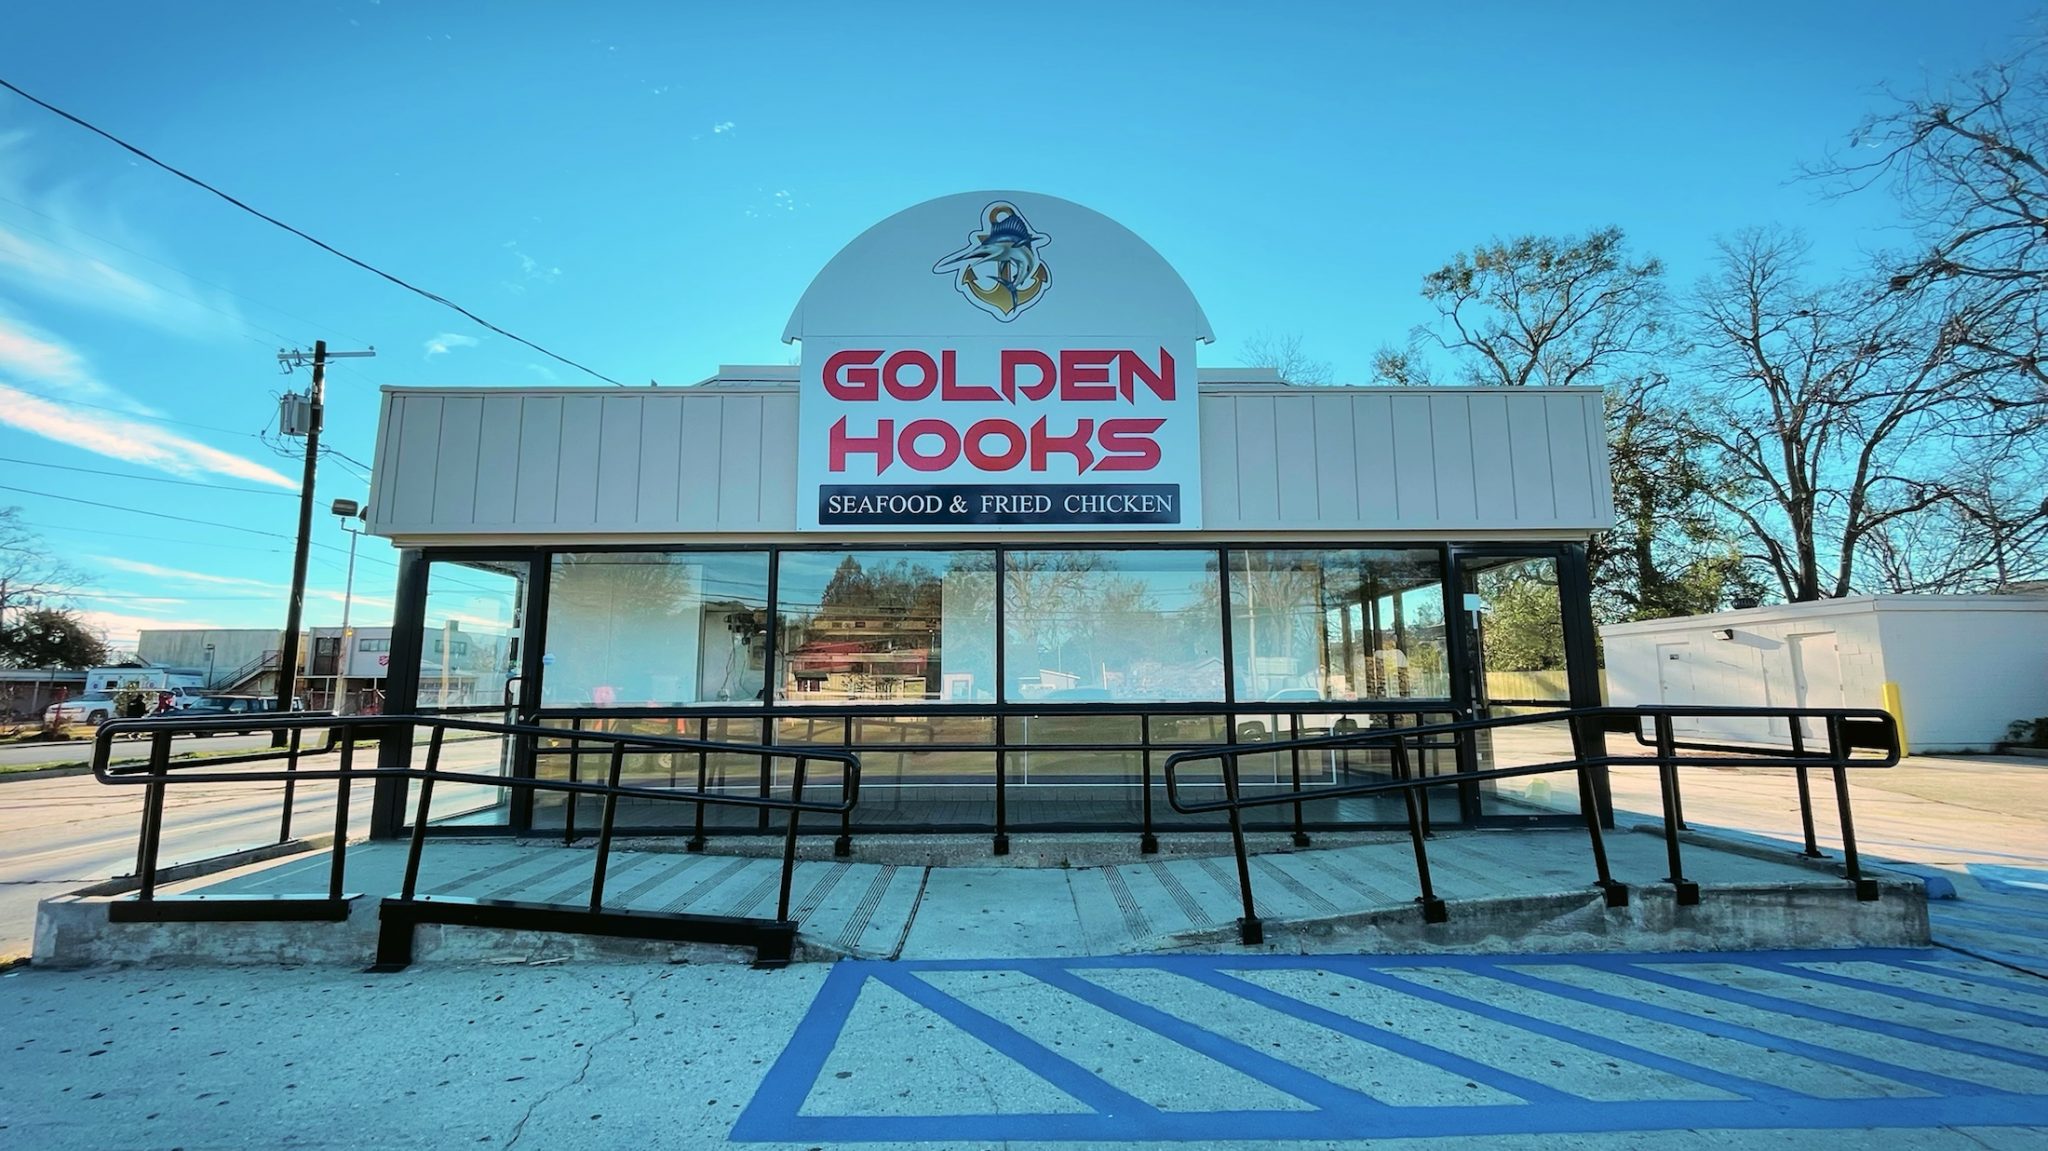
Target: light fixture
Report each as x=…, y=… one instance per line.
x=1724, y=633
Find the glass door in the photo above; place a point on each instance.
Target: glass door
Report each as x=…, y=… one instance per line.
x=1519, y=624
x=471, y=664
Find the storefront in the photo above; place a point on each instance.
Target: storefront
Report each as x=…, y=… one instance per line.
x=998, y=534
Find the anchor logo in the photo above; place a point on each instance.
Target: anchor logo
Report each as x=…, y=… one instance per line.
x=1000, y=270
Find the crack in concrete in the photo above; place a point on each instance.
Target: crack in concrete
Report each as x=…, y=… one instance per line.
x=589, y=1053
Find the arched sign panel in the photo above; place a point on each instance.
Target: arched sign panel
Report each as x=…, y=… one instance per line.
x=998, y=359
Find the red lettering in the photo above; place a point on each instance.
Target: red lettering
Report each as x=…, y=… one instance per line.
x=1045, y=444
x=1084, y=375
x=1130, y=369
x=1130, y=445
x=990, y=462
x=1048, y=374
x=880, y=445
x=847, y=379
x=952, y=390
x=892, y=375
x=949, y=438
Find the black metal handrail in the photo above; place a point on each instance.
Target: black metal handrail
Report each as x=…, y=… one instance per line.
x=157, y=774
x=1848, y=730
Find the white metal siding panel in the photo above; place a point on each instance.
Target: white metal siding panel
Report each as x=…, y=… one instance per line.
x=1529, y=443
x=1336, y=480
x=582, y=441
x=1493, y=459
x=661, y=446
x=702, y=463
x=572, y=461
x=618, y=460
x=419, y=440
x=462, y=419
x=1373, y=465
x=1414, y=461
x=778, y=462
x=385, y=460
x=739, y=487
x=1220, y=504
x=1570, y=469
x=540, y=460
x=1457, y=488
x=497, y=461
x=1294, y=442
x=1258, y=466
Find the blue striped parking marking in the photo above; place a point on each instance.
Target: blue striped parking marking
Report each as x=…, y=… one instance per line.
x=1332, y=1110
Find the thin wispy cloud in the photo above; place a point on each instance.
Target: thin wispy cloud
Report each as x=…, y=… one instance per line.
x=258, y=589
x=721, y=128
x=51, y=247
x=131, y=440
x=444, y=342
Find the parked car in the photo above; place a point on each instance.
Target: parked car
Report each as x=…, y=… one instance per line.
x=93, y=709
x=227, y=705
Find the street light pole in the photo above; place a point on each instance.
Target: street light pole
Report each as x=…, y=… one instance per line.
x=351, y=515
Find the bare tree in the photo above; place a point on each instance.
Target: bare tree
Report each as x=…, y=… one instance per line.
x=1583, y=310
x=1989, y=530
x=29, y=575
x=1969, y=164
x=1285, y=355
x=1829, y=410
x=1546, y=311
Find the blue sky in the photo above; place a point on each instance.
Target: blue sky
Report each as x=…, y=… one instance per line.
x=647, y=188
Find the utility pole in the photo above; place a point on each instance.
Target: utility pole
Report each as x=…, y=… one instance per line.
x=290, y=424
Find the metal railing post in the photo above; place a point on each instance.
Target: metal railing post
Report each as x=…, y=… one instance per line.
x=1433, y=909
x=842, y=847
x=796, y=796
x=1001, y=844
x=337, y=871
x=570, y=798
x=153, y=814
x=696, y=841
x=1688, y=892
x=604, y=831
x=1813, y=850
x=291, y=767
x=1838, y=751
x=1616, y=893
x=419, y=819
x=1249, y=928
x=1300, y=837
x=1148, y=842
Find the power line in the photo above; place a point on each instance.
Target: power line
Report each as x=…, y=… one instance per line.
x=139, y=536
x=144, y=512
x=150, y=479
x=318, y=243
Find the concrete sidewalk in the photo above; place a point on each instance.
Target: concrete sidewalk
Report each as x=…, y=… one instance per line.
x=1506, y=890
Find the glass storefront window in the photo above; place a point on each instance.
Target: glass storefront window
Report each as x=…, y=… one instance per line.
x=1338, y=625
x=656, y=629
x=1112, y=626
x=469, y=643
x=882, y=625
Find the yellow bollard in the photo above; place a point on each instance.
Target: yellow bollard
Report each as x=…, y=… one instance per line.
x=1898, y=710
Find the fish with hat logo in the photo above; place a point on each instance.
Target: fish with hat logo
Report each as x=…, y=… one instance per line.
x=1000, y=270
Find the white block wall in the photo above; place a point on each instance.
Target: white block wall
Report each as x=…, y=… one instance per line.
x=1966, y=666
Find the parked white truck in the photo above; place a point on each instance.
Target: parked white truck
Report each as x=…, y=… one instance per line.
x=111, y=680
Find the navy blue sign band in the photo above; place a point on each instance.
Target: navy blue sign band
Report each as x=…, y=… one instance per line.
x=1007, y=504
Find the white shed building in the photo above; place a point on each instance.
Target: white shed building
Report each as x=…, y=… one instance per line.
x=1955, y=670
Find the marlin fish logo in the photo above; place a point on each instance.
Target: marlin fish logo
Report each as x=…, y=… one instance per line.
x=1000, y=270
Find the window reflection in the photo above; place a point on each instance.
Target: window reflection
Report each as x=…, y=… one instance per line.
x=885, y=625
x=641, y=629
x=1082, y=626
x=1338, y=625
